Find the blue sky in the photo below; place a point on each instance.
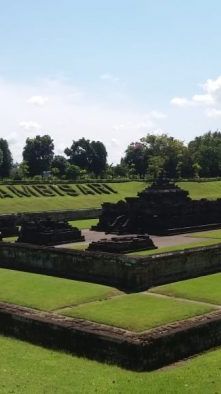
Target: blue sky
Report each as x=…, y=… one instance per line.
x=108, y=70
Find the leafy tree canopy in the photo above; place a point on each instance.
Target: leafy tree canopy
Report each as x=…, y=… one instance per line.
x=88, y=155
x=5, y=159
x=38, y=154
x=206, y=152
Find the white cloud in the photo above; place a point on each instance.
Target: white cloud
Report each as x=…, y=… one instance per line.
x=115, y=142
x=38, y=100
x=157, y=115
x=205, y=99
x=213, y=113
x=30, y=125
x=181, y=102
x=210, y=97
x=212, y=86
x=109, y=77
x=71, y=114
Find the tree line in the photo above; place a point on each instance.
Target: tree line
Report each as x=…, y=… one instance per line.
x=145, y=158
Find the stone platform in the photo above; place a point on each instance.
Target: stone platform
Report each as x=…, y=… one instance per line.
x=123, y=244
x=49, y=232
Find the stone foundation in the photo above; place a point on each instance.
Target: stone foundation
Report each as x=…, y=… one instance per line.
x=128, y=273
x=48, y=232
x=123, y=244
x=136, y=351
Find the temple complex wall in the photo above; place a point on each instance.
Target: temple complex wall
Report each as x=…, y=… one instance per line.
x=124, y=272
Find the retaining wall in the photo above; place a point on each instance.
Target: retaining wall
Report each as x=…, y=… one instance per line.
x=129, y=273
x=141, y=352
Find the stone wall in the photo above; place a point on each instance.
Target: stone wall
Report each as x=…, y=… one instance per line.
x=98, y=267
x=137, y=351
x=129, y=273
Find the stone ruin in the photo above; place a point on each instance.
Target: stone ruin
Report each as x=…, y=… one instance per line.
x=123, y=244
x=49, y=232
x=8, y=226
x=163, y=208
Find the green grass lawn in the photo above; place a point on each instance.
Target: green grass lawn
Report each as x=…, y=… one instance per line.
x=31, y=204
x=47, y=292
x=197, y=190
x=26, y=369
x=76, y=245
x=205, y=288
x=210, y=190
x=176, y=248
x=10, y=239
x=84, y=223
x=137, y=312
x=214, y=234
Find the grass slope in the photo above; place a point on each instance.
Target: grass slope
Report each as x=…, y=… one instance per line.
x=31, y=204
x=137, y=312
x=214, y=234
x=46, y=292
x=197, y=190
x=206, y=288
x=26, y=369
x=210, y=190
x=84, y=223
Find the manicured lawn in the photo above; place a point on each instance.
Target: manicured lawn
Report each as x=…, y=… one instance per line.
x=137, y=312
x=10, y=239
x=84, y=224
x=197, y=190
x=76, y=245
x=47, y=292
x=206, y=288
x=31, y=204
x=26, y=369
x=210, y=190
x=215, y=234
x=176, y=248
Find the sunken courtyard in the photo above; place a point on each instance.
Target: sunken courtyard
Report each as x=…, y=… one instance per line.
x=135, y=289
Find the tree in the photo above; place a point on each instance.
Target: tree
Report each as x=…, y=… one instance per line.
x=38, y=154
x=5, y=159
x=168, y=149
x=155, y=166
x=59, y=163
x=88, y=155
x=72, y=172
x=206, y=152
x=136, y=156
x=98, y=158
x=20, y=171
x=154, y=153
x=121, y=170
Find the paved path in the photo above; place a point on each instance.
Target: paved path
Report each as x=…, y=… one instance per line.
x=159, y=241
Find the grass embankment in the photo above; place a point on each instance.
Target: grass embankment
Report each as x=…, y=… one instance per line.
x=32, y=204
x=47, y=292
x=214, y=234
x=206, y=289
x=197, y=190
x=84, y=223
x=137, y=312
x=210, y=190
x=26, y=369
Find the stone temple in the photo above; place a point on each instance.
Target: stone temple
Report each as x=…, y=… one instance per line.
x=163, y=208
x=49, y=232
